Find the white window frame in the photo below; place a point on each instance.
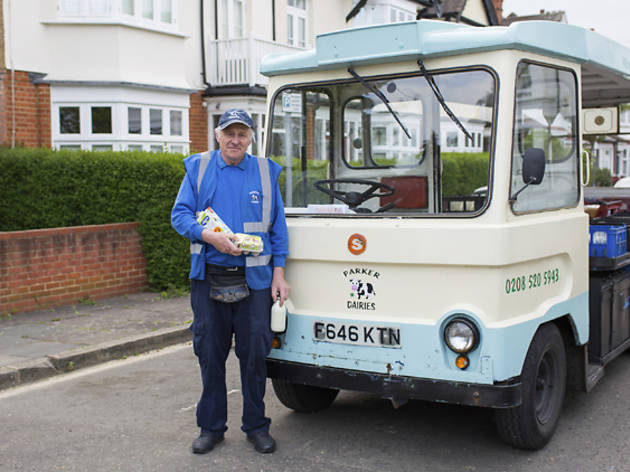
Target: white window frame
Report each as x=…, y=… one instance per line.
x=142, y=120
x=94, y=146
x=59, y=121
x=381, y=13
x=229, y=12
x=83, y=8
x=169, y=121
x=120, y=139
x=397, y=15
x=113, y=13
x=162, y=127
x=100, y=105
x=294, y=16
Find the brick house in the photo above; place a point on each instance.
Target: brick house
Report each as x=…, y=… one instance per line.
x=143, y=75
x=156, y=74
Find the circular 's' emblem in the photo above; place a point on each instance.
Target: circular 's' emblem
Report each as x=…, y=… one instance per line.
x=357, y=244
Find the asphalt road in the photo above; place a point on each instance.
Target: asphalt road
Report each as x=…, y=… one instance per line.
x=138, y=415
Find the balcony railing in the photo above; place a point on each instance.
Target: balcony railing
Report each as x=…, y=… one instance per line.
x=237, y=61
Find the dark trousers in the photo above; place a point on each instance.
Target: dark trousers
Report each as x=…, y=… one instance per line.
x=213, y=325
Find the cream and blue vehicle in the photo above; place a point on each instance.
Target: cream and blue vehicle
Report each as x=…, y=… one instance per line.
x=439, y=247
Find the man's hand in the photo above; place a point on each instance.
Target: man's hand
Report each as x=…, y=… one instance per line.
x=279, y=287
x=222, y=242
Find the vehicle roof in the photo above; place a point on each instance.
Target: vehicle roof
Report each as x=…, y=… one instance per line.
x=605, y=63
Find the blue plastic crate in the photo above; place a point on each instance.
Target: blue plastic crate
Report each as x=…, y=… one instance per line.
x=607, y=240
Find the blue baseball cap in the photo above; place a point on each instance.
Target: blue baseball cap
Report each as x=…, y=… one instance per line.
x=235, y=115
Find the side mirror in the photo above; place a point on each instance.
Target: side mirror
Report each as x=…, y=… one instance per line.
x=533, y=169
x=533, y=166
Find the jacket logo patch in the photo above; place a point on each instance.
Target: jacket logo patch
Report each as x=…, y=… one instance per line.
x=254, y=196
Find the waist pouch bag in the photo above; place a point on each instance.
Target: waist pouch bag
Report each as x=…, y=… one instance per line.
x=227, y=284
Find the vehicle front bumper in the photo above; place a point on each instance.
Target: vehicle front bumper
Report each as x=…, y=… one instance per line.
x=498, y=395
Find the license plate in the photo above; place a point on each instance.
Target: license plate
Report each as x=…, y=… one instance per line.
x=357, y=334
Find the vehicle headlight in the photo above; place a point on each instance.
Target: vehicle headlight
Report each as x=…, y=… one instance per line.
x=461, y=335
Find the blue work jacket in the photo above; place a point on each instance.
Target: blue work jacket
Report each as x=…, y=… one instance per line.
x=264, y=218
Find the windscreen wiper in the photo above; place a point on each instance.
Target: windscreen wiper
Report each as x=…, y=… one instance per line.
x=440, y=98
x=432, y=3
x=380, y=95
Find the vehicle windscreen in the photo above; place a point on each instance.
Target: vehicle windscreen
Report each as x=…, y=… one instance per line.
x=386, y=146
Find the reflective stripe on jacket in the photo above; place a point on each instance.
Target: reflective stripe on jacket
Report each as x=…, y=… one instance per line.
x=265, y=219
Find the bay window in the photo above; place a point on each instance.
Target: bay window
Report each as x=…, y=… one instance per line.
x=114, y=124
x=85, y=7
x=159, y=14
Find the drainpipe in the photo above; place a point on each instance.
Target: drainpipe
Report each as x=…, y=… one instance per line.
x=211, y=137
x=12, y=66
x=273, y=20
x=216, y=19
x=204, y=77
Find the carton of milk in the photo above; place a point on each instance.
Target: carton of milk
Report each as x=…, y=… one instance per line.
x=248, y=243
x=209, y=219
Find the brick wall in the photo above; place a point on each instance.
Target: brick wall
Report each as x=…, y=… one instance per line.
x=50, y=267
x=198, y=123
x=3, y=108
x=32, y=109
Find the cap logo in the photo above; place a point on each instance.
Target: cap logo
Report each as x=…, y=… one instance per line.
x=235, y=116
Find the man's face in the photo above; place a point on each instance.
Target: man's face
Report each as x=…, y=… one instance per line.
x=233, y=142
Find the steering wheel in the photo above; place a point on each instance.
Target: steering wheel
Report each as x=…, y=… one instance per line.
x=354, y=199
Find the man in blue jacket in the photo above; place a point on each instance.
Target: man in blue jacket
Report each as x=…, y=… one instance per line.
x=232, y=292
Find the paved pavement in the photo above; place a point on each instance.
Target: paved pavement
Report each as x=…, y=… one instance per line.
x=44, y=343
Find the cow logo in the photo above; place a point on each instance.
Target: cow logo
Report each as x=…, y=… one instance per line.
x=357, y=244
x=362, y=283
x=361, y=289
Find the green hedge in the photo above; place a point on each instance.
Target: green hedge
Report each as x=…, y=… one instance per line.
x=600, y=177
x=41, y=188
x=463, y=172
x=316, y=170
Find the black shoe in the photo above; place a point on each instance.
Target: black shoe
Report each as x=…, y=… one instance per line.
x=205, y=442
x=263, y=442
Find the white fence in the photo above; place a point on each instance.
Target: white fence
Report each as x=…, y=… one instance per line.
x=237, y=61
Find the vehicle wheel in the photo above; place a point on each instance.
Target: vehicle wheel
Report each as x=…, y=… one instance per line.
x=303, y=398
x=531, y=425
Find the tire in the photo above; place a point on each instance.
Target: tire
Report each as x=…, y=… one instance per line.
x=532, y=424
x=303, y=398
